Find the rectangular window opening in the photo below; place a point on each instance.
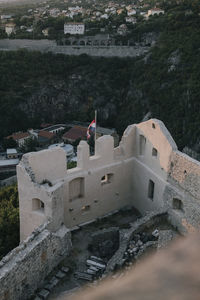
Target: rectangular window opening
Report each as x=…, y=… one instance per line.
x=151, y=189
x=108, y=178
x=154, y=152
x=37, y=205
x=177, y=204
x=76, y=188
x=142, y=144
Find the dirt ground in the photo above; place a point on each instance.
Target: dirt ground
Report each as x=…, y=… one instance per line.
x=81, y=239
x=80, y=253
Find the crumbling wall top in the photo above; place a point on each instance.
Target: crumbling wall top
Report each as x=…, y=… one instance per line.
x=160, y=138
x=104, y=153
x=48, y=164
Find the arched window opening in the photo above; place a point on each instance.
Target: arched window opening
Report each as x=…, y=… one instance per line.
x=177, y=204
x=76, y=188
x=142, y=144
x=154, y=152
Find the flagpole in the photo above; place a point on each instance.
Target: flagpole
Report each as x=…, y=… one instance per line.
x=95, y=137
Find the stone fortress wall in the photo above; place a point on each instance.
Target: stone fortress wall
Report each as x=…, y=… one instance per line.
x=146, y=171
x=51, y=46
x=24, y=269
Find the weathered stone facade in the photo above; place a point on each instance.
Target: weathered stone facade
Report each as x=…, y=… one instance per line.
x=145, y=171
x=24, y=269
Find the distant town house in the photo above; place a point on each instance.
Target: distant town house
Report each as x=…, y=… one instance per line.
x=45, y=137
x=154, y=11
x=122, y=29
x=120, y=11
x=10, y=28
x=105, y=16
x=80, y=132
x=8, y=165
x=74, y=28
x=45, y=31
x=75, y=133
x=11, y=153
x=131, y=12
x=19, y=137
x=6, y=17
x=131, y=20
x=55, y=128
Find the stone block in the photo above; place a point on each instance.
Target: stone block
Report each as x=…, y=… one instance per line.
x=54, y=281
x=60, y=275
x=49, y=287
x=65, y=269
x=43, y=294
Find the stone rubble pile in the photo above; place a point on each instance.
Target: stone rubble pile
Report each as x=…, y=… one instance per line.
x=135, y=248
x=96, y=267
x=138, y=245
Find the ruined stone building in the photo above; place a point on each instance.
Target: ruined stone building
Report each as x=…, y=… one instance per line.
x=146, y=171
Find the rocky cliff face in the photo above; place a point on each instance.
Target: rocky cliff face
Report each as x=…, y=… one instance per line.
x=77, y=96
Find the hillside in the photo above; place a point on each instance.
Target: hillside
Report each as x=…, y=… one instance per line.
x=36, y=88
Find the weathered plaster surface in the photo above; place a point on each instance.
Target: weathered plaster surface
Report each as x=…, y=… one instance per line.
x=80, y=195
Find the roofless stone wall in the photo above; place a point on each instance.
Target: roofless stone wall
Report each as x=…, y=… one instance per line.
x=146, y=171
x=24, y=269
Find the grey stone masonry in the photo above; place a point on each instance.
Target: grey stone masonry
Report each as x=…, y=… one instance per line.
x=51, y=46
x=126, y=235
x=24, y=269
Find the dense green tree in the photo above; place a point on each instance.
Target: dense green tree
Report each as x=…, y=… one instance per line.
x=9, y=219
x=9, y=143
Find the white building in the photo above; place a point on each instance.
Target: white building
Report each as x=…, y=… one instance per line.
x=10, y=28
x=6, y=17
x=74, y=28
x=155, y=11
x=131, y=20
x=11, y=154
x=122, y=29
x=131, y=12
x=45, y=31
x=105, y=16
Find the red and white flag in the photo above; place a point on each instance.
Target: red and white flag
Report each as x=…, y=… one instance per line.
x=91, y=129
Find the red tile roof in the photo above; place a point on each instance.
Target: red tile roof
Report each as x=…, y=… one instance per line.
x=46, y=134
x=18, y=135
x=75, y=133
x=45, y=125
